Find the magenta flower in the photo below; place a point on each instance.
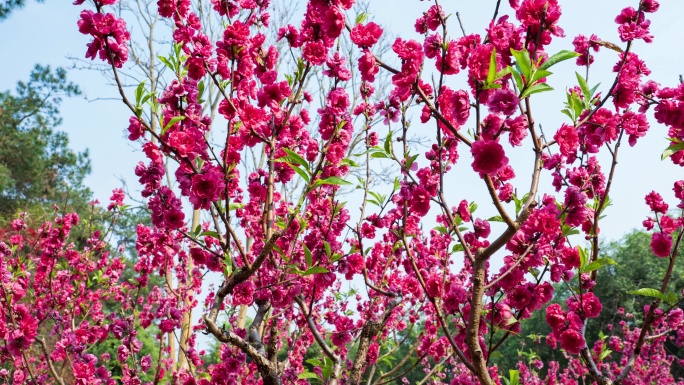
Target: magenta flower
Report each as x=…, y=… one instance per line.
x=454, y=105
x=116, y=200
x=655, y=203
x=122, y=353
x=568, y=140
x=572, y=341
x=582, y=45
x=449, y=63
x=365, y=36
x=463, y=211
x=84, y=370
x=243, y=294
x=635, y=125
x=135, y=128
x=315, y=52
x=146, y=363
x=482, y=228
x=420, y=201
x=503, y=101
x=661, y=244
x=555, y=317
x=368, y=66
x=490, y=157
x=207, y=187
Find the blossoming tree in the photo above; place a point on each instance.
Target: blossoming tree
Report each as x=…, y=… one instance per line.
x=423, y=257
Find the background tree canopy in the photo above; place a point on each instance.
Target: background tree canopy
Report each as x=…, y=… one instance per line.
x=9, y=6
x=634, y=268
x=37, y=167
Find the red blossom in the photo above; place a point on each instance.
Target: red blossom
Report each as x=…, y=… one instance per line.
x=365, y=35
x=661, y=244
x=572, y=341
x=489, y=157
x=568, y=140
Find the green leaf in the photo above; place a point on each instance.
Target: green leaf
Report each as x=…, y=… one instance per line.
x=674, y=147
x=167, y=63
x=557, y=58
x=139, y=92
x=496, y=218
x=457, y=248
x=146, y=98
x=441, y=229
x=504, y=71
x=583, y=257
x=518, y=79
x=593, y=90
x=200, y=89
x=307, y=375
x=301, y=172
x=296, y=158
x=539, y=87
x=234, y=206
x=670, y=298
x=511, y=320
x=584, y=87
x=300, y=67
x=597, y=264
x=307, y=254
x=314, y=362
x=495, y=354
x=209, y=234
x=491, y=74
x=173, y=121
x=332, y=180
x=378, y=197
x=514, y=376
x=568, y=114
x=349, y=162
x=388, y=143
x=315, y=270
x=361, y=17
x=646, y=292
x=567, y=231
x=539, y=74
x=227, y=265
x=327, y=368
x=577, y=104
x=605, y=354
x=519, y=203
x=491, y=86
x=522, y=60
x=410, y=161
x=327, y=248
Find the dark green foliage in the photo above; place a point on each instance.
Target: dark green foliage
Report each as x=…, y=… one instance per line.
x=37, y=167
x=636, y=267
x=9, y=6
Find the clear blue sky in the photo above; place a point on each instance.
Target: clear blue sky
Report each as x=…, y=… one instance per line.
x=47, y=34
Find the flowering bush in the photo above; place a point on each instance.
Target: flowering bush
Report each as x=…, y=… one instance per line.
x=279, y=240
